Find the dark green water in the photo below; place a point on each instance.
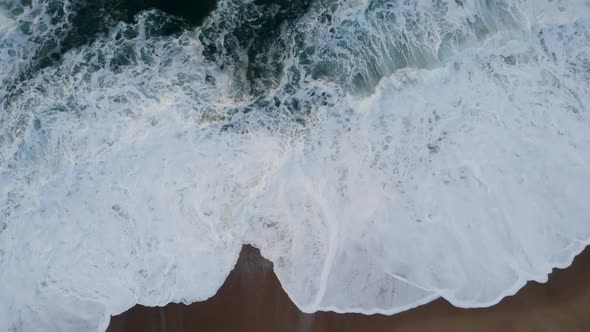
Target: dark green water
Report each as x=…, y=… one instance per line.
x=192, y=11
x=90, y=19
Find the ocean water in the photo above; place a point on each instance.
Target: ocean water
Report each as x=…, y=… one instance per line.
x=381, y=153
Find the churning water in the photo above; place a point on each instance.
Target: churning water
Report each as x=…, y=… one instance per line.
x=381, y=153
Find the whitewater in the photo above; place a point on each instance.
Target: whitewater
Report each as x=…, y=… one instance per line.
x=381, y=153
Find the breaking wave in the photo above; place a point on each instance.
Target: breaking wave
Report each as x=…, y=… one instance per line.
x=381, y=153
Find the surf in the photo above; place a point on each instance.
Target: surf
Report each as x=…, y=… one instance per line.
x=380, y=153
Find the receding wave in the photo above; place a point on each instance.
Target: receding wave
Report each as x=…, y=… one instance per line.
x=380, y=153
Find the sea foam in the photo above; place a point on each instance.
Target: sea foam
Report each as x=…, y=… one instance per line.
x=402, y=151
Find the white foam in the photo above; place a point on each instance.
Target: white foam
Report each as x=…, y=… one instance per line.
x=460, y=171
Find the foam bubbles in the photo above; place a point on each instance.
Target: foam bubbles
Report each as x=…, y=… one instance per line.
x=392, y=159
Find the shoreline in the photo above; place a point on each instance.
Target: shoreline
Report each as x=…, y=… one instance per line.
x=252, y=299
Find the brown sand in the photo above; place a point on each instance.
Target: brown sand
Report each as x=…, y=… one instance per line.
x=251, y=299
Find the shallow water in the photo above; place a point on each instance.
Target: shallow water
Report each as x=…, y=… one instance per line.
x=251, y=299
x=380, y=153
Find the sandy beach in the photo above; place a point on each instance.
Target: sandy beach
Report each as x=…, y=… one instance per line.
x=381, y=153
x=252, y=299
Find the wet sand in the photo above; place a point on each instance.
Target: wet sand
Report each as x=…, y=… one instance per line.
x=251, y=299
